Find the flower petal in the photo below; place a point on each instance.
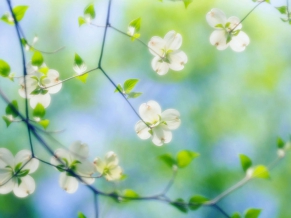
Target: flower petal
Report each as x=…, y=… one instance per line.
x=86, y=169
x=161, y=135
x=215, y=16
x=6, y=158
x=22, y=157
x=234, y=23
x=173, y=40
x=111, y=159
x=172, y=118
x=61, y=154
x=159, y=66
x=26, y=187
x=177, y=60
x=53, y=79
x=31, y=84
x=157, y=46
x=142, y=130
x=44, y=100
x=6, y=182
x=218, y=38
x=68, y=183
x=114, y=173
x=79, y=150
x=150, y=112
x=99, y=165
x=239, y=42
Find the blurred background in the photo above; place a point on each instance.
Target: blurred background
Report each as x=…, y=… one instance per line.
x=230, y=103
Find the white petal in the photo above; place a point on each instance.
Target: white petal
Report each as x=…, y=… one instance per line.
x=114, y=173
x=173, y=40
x=79, y=150
x=172, y=118
x=6, y=182
x=85, y=168
x=61, y=154
x=142, y=130
x=99, y=165
x=215, y=16
x=177, y=60
x=218, y=39
x=157, y=46
x=150, y=111
x=26, y=187
x=68, y=183
x=6, y=158
x=234, y=23
x=31, y=85
x=44, y=100
x=111, y=159
x=239, y=42
x=53, y=79
x=160, y=66
x=23, y=156
x=161, y=135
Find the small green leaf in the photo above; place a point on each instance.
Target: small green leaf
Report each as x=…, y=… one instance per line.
x=61, y=168
x=22, y=173
x=261, y=171
x=245, y=161
x=78, y=60
x=282, y=9
x=235, y=215
x=180, y=205
x=23, y=41
x=17, y=167
x=196, y=201
x=128, y=193
x=7, y=19
x=81, y=215
x=123, y=177
x=129, y=85
x=187, y=3
x=228, y=38
x=90, y=11
x=37, y=59
x=12, y=109
x=185, y=157
x=119, y=89
x=19, y=181
x=81, y=21
x=19, y=12
x=4, y=68
x=280, y=143
x=134, y=94
x=44, y=123
x=39, y=111
x=168, y=159
x=7, y=120
x=219, y=25
x=135, y=24
x=83, y=78
x=252, y=213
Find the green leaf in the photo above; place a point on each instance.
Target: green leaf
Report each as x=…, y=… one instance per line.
x=282, y=9
x=37, y=59
x=61, y=168
x=7, y=121
x=168, y=159
x=197, y=201
x=128, y=193
x=129, y=85
x=12, y=109
x=119, y=89
x=83, y=78
x=19, y=181
x=228, y=38
x=219, y=26
x=135, y=24
x=280, y=143
x=44, y=123
x=19, y=12
x=134, y=94
x=185, y=157
x=252, y=213
x=78, y=60
x=17, y=167
x=261, y=171
x=4, y=68
x=180, y=205
x=235, y=215
x=123, y=177
x=39, y=111
x=22, y=173
x=90, y=11
x=187, y=3
x=245, y=161
x=6, y=19
x=81, y=21
x=81, y=215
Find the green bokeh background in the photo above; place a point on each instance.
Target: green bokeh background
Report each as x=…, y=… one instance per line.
x=230, y=103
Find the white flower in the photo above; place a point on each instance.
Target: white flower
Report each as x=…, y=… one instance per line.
x=22, y=184
x=75, y=159
x=227, y=31
x=109, y=167
x=160, y=123
x=131, y=31
x=167, y=53
x=80, y=69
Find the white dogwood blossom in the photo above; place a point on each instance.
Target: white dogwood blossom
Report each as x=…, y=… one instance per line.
x=158, y=124
x=36, y=83
x=108, y=167
x=227, y=31
x=167, y=53
x=74, y=159
x=14, y=172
